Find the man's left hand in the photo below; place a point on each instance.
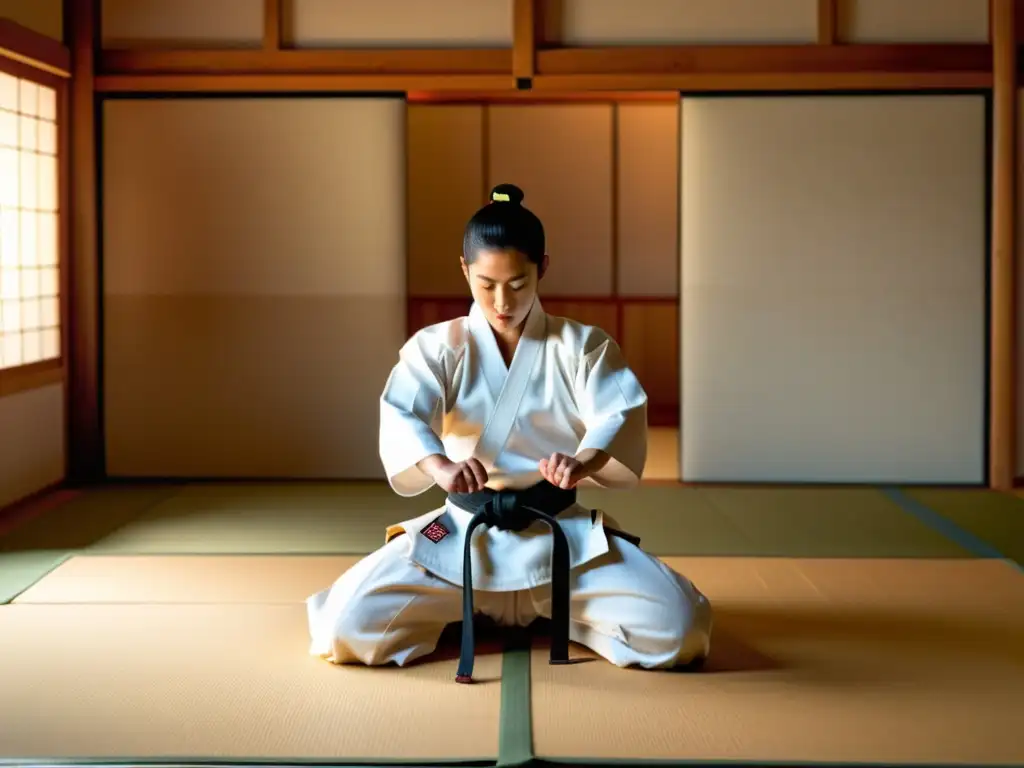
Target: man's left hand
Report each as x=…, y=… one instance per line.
x=562, y=471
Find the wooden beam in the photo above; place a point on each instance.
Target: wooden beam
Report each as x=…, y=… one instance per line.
x=27, y=47
x=299, y=83
x=637, y=68
x=827, y=21
x=525, y=22
x=85, y=450
x=383, y=61
x=936, y=59
x=1003, y=350
x=272, y=25
x=768, y=82
x=766, y=68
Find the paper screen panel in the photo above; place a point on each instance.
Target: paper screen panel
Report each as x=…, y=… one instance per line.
x=675, y=22
x=254, y=283
x=181, y=23
x=399, y=23
x=833, y=289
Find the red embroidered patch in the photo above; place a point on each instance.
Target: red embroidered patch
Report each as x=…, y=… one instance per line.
x=435, y=531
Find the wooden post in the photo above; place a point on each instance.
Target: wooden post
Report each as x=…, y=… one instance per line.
x=827, y=21
x=272, y=25
x=524, y=43
x=85, y=450
x=1003, y=352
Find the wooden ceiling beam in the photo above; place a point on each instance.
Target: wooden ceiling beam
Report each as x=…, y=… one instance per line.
x=627, y=68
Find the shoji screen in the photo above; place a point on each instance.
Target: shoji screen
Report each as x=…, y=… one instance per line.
x=833, y=288
x=254, y=279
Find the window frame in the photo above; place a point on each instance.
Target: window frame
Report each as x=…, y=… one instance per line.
x=32, y=56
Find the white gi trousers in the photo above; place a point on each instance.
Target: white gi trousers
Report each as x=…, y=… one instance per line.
x=626, y=605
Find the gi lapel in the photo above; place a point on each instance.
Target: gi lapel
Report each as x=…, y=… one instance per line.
x=499, y=425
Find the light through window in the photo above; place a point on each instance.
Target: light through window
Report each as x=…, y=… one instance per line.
x=29, y=247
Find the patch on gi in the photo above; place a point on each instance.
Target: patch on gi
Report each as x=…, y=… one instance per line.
x=435, y=531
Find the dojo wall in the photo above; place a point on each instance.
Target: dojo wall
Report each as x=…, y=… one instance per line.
x=32, y=421
x=488, y=23
x=603, y=177
x=839, y=334
x=253, y=283
x=179, y=439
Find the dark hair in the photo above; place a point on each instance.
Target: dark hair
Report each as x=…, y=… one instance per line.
x=502, y=224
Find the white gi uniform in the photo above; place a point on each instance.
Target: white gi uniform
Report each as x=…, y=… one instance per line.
x=568, y=389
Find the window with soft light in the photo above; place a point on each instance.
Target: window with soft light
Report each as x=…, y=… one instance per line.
x=29, y=243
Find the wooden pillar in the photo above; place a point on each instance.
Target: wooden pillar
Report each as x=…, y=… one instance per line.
x=272, y=27
x=827, y=21
x=85, y=450
x=1003, y=340
x=525, y=21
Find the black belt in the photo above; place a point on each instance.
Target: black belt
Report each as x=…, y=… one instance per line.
x=515, y=510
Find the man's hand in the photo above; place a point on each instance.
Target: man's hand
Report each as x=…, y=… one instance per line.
x=466, y=476
x=562, y=471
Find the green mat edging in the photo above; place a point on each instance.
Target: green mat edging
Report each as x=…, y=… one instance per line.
x=19, y=571
x=515, y=719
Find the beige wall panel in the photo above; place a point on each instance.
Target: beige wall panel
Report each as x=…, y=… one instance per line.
x=255, y=196
x=561, y=157
x=220, y=23
x=648, y=205
x=667, y=22
x=446, y=186
x=43, y=16
x=32, y=443
x=254, y=284
x=410, y=23
x=913, y=21
x=833, y=297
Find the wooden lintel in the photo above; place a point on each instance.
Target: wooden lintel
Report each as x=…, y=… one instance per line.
x=767, y=59
x=525, y=34
x=33, y=49
x=767, y=82
x=385, y=61
x=297, y=83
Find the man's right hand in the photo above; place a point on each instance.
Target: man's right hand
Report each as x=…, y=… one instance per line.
x=466, y=476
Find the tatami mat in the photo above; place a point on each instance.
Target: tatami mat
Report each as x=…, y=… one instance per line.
x=995, y=518
x=350, y=518
x=266, y=579
x=338, y=518
x=767, y=522
x=885, y=661
x=223, y=682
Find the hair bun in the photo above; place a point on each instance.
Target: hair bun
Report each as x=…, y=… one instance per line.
x=507, y=193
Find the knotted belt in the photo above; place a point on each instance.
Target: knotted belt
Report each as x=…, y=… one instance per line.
x=515, y=510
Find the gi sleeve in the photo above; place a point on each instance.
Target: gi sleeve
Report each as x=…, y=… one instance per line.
x=412, y=407
x=613, y=407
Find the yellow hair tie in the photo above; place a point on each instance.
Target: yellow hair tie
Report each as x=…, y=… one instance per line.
x=500, y=196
